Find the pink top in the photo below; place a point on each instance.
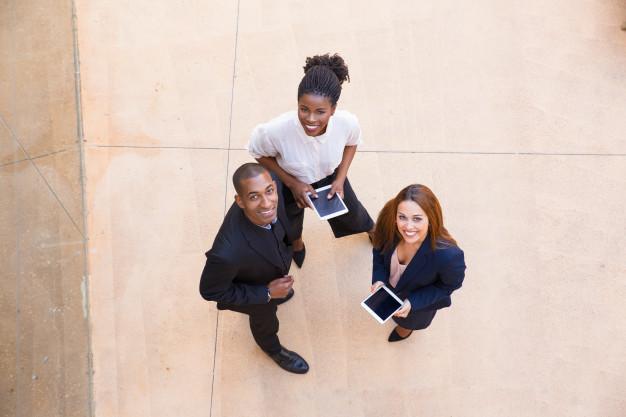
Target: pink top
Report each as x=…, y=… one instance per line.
x=395, y=269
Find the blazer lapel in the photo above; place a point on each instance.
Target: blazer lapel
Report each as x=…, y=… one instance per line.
x=417, y=263
x=257, y=240
x=387, y=260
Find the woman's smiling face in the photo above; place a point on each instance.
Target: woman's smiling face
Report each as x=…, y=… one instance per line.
x=412, y=222
x=314, y=112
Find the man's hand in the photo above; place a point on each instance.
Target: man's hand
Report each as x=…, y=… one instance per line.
x=299, y=191
x=279, y=288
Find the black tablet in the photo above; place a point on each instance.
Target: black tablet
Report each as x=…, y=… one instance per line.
x=325, y=208
x=382, y=304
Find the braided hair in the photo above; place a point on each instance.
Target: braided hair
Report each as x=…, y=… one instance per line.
x=323, y=76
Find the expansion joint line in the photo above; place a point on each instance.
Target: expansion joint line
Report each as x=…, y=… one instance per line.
x=230, y=129
x=80, y=134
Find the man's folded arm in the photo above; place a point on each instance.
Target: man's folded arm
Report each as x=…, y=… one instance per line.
x=216, y=284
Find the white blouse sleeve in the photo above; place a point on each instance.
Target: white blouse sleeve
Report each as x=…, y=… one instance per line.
x=261, y=144
x=354, y=133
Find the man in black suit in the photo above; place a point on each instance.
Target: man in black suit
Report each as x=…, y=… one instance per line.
x=247, y=267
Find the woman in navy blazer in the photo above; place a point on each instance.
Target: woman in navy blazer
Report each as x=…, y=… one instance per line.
x=415, y=257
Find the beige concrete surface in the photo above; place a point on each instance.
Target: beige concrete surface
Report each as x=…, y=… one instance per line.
x=512, y=113
x=157, y=74
x=44, y=338
x=10, y=151
x=37, y=72
x=155, y=338
x=44, y=327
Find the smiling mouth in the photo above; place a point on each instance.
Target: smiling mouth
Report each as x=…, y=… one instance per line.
x=267, y=213
x=410, y=234
x=311, y=127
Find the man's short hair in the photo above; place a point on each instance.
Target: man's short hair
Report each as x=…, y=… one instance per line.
x=248, y=170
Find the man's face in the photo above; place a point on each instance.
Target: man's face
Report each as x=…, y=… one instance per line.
x=258, y=199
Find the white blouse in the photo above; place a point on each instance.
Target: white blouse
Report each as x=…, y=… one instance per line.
x=307, y=158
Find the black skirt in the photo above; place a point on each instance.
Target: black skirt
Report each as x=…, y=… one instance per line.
x=416, y=320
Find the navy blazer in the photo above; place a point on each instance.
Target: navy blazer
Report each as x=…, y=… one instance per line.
x=241, y=262
x=430, y=277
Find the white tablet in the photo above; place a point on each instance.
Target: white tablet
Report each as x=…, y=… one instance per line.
x=382, y=304
x=325, y=208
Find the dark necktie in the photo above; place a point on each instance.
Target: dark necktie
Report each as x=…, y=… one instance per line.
x=279, y=236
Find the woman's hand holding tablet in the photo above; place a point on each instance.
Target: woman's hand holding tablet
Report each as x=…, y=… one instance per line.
x=406, y=306
x=404, y=310
x=382, y=303
x=325, y=207
x=301, y=191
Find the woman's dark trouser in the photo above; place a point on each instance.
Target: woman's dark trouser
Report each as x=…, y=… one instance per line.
x=356, y=220
x=416, y=320
x=263, y=324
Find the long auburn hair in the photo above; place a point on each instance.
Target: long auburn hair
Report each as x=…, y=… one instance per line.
x=386, y=234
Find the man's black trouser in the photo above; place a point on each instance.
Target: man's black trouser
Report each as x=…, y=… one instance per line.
x=263, y=323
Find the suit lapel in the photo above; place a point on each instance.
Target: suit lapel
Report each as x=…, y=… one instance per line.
x=257, y=238
x=420, y=259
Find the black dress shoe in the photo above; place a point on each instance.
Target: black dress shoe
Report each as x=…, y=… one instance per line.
x=298, y=257
x=290, y=361
x=279, y=301
x=395, y=337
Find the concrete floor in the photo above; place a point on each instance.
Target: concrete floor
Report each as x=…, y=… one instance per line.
x=44, y=327
x=514, y=114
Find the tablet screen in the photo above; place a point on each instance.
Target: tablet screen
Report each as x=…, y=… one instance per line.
x=326, y=207
x=382, y=303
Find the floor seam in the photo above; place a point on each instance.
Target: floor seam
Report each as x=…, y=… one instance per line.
x=18, y=254
x=80, y=133
x=496, y=153
x=6, y=164
x=162, y=147
x=513, y=153
x=230, y=126
x=54, y=194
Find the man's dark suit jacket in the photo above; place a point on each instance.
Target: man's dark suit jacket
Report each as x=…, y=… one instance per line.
x=430, y=277
x=243, y=260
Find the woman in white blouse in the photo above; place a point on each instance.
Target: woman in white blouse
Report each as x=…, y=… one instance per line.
x=313, y=147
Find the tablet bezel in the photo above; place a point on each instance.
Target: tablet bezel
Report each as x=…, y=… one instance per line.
x=372, y=312
x=328, y=216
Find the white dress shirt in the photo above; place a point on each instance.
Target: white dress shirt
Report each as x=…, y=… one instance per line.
x=307, y=158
